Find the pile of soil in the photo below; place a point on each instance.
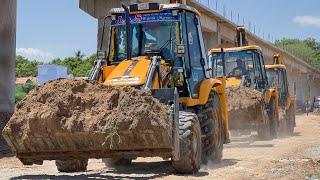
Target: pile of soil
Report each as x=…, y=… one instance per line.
x=244, y=107
x=243, y=97
x=70, y=114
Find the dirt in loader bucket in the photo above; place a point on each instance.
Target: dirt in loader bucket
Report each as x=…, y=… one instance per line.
x=244, y=106
x=77, y=115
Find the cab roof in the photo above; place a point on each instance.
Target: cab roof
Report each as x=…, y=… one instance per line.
x=162, y=7
x=275, y=66
x=235, y=49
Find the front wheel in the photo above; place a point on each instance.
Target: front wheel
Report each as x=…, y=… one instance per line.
x=190, y=144
x=290, y=117
x=72, y=165
x=212, y=129
x=274, y=118
x=264, y=132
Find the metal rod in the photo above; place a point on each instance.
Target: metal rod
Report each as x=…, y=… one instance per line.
x=128, y=31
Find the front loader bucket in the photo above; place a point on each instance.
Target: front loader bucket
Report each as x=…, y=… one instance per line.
x=50, y=141
x=246, y=118
x=245, y=108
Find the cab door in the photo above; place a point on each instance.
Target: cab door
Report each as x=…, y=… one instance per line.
x=283, y=88
x=195, y=52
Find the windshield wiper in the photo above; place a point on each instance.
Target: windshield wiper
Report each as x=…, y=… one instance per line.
x=166, y=43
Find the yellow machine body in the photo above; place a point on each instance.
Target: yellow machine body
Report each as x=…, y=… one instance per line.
x=269, y=92
x=134, y=71
x=279, y=66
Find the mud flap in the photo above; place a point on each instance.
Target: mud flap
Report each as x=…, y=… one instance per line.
x=171, y=97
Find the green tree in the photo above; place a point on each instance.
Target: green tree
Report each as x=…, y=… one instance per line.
x=84, y=68
x=26, y=68
x=78, y=65
x=79, y=54
x=308, y=49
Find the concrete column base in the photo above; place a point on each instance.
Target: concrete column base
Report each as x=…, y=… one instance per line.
x=4, y=147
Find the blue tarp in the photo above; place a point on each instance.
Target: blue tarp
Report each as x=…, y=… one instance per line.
x=51, y=72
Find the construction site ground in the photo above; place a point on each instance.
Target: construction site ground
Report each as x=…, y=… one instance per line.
x=296, y=157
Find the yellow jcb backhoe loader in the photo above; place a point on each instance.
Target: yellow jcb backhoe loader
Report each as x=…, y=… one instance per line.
x=277, y=77
x=158, y=47
x=244, y=67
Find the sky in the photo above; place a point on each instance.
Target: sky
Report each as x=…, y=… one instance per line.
x=48, y=29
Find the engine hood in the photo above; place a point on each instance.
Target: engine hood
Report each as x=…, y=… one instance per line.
x=129, y=72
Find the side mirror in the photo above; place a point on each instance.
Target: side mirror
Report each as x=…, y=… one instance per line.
x=181, y=50
x=102, y=55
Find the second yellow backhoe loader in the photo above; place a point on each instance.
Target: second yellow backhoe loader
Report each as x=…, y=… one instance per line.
x=158, y=47
x=244, y=67
x=245, y=73
x=277, y=77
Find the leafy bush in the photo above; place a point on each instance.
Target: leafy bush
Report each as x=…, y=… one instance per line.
x=27, y=87
x=23, y=90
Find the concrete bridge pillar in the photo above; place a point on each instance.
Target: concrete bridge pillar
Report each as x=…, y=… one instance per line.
x=8, y=10
x=303, y=87
x=292, y=79
x=7, y=54
x=212, y=40
x=314, y=89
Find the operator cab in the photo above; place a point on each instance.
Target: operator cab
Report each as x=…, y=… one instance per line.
x=169, y=31
x=241, y=65
x=277, y=77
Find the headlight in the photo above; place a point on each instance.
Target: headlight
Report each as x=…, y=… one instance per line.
x=124, y=81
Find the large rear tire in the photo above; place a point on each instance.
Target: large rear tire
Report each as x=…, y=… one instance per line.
x=190, y=144
x=212, y=129
x=70, y=166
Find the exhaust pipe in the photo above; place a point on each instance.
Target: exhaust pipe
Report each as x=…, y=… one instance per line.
x=128, y=32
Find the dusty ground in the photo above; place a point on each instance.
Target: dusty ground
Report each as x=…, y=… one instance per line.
x=294, y=157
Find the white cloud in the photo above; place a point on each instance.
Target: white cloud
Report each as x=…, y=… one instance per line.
x=307, y=20
x=35, y=54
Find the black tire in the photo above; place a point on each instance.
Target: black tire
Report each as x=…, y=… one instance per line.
x=70, y=166
x=190, y=144
x=114, y=162
x=212, y=129
x=291, y=118
x=273, y=117
x=264, y=132
x=282, y=129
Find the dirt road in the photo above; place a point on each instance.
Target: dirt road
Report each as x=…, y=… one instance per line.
x=296, y=157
